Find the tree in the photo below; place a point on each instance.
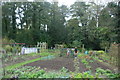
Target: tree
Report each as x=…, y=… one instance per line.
x=90, y=24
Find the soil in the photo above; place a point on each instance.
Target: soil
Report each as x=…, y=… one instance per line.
x=59, y=62
x=103, y=66
x=54, y=64
x=97, y=64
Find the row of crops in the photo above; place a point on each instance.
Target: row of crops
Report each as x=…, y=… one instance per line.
x=37, y=72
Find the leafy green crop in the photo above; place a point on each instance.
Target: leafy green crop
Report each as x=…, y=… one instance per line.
x=91, y=61
x=107, y=73
x=37, y=72
x=86, y=74
x=84, y=61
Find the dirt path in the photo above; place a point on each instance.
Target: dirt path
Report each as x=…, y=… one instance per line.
x=58, y=63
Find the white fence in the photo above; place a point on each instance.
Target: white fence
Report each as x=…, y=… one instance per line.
x=28, y=50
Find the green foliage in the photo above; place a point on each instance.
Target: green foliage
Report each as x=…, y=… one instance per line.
x=76, y=43
x=100, y=52
x=107, y=73
x=27, y=72
x=84, y=61
x=64, y=70
x=81, y=28
x=6, y=40
x=104, y=44
x=91, y=61
x=46, y=54
x=101, y=71
x=81, y=55
x=79, y=75
x=37, y=72
x=49, y=75
x=84, y=75
x=8, y=48
x=113, y=75
x=32, y=26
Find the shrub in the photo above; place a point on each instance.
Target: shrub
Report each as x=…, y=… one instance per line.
x=16, y=49
x=8, y=48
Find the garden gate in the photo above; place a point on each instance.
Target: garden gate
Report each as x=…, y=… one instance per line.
x=42, y=46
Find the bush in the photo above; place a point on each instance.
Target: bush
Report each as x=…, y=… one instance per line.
x=7, y=40
x=16, y=49
x=8, y=48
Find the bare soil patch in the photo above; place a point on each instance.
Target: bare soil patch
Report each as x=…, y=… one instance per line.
x=59, y=62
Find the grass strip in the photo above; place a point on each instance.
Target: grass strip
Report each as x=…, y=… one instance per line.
x=23, y=63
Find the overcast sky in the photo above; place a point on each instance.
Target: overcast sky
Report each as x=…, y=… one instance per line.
x=69, y=2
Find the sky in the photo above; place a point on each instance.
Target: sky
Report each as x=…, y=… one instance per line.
x=69, y=2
